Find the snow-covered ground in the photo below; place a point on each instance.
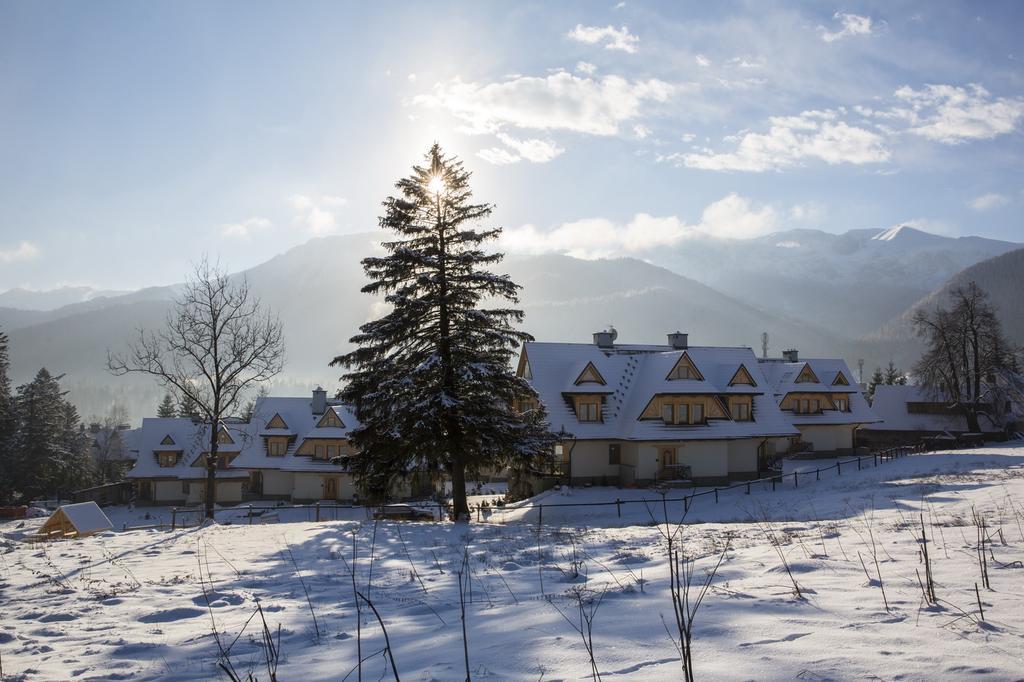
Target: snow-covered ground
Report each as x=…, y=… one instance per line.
x=152, y=604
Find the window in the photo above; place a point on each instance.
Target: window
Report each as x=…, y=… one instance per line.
x=319, y=452
x=682, y=372
x=589, y=412
x=168, y=459
x=815, y=406
x=332, y=451
x=683, y=414
x=667, y=413
x=805, y=406
x=184, y=487
x=740, y=411
x=842, y=405
x=276, y=448
x=697, y=414
x=614, y=454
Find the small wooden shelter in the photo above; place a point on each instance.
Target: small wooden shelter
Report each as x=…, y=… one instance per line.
x=75, y=521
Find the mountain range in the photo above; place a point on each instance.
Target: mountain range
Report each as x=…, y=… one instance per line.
x=844, y=295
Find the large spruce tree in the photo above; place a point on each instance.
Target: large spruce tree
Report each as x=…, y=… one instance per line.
x=431, y=381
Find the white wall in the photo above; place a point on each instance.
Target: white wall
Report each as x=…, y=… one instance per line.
x=590, y=460
x=167, y=491
x=706, y=458
x=826, y=438
x=743, y=456
x=277, y=482
x=307, y=487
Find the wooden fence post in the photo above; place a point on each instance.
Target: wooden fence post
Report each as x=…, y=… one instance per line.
x=796, y=481
x=817, y=474
x=686, y=504
x=540, y=515
x=174, y=517
x=618, y=506
x=858, y=464
x=839, y=468
x=748, y=487
x=317, y=511
x=250, y=514
x=716, y=495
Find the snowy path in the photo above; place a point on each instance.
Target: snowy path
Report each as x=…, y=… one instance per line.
x=131, y=605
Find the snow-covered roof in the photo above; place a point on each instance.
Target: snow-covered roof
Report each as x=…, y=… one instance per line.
x=190, y=440
x=634, y=374
x=833, y=376
x=86, y=517
x=890, y=404
x=300, y=425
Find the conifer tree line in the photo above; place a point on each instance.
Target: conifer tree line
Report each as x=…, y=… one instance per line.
x=44, y=452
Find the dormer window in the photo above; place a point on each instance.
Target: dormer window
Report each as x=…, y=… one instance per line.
x=739, y=409
x=167, y=440
x=277, y=423
x=330, y=420
x=590, y=375
x=588, y=410
x=276, y=447
x=685, y=369
x=842, y=404
x=742, y=376
x=167, y=459
x=224, y=438
x=807, y=376
x=840, y=380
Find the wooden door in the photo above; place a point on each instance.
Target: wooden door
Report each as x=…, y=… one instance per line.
x=330, y=488
x=668, y=457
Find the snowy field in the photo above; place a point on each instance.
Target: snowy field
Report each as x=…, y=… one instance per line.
x=153, y=604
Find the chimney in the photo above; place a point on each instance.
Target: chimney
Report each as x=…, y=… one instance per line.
x=678, y=340
x=791, y=355
x=319, y=400
x=606, y=339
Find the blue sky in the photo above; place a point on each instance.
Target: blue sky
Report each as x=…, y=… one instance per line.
x=136, y=137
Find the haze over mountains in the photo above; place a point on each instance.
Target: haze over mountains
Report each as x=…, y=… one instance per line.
x=822, y=293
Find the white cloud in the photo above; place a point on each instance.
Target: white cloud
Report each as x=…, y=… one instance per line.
x=687, y=137
x=951, y=115
x=411, y=78
x=22, y=252
x=317, y=214
x=245, y=227
x=559, y=101
x=641, y=131
x=987, y=202
x=852, y=25
x=612, y=38
x=808, y=212
x=535, y=150
x=619, y=5
x=732, y=217
x=586, y=68
x=702, y=60
x=789, y=141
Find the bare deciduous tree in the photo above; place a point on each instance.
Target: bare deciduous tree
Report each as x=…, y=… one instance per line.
x=966, y=353
x=217, y=344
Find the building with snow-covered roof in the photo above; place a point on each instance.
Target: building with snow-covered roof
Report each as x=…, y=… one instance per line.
x=170, y=467
x=908, y=414
x=820, y=398
x=641, y=413
x=298, y=449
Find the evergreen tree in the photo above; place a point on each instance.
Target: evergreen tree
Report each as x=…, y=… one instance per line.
x=40, y=447
x=188, y=408
x=877, y=379
x=8, y=422
x=431, y=381
x=893, y=376
x=167, y=408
